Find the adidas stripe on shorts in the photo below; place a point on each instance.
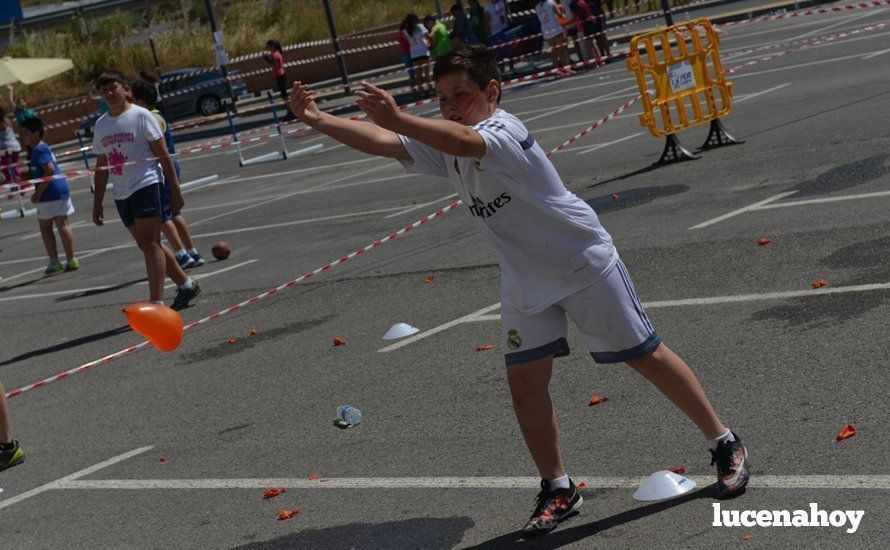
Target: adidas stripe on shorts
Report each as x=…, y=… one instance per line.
x=608, y=313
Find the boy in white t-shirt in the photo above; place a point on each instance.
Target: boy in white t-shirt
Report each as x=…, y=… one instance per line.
x=125, y=134
x=556, y=260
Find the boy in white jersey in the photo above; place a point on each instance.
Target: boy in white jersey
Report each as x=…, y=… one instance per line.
x=124, y=136
x=555, y=257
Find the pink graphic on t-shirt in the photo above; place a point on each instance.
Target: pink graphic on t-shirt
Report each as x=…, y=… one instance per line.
x=115, y=157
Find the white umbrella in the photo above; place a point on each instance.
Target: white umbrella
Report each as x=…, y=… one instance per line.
x=29, y=71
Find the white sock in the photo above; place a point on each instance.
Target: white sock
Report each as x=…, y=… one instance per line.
x=189, y=283
x=159, y=302
x=193, y=251
x=181, y=252
x=558, y=483
x=727, y=437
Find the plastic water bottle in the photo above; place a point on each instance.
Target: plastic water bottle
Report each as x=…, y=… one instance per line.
x=350, y=415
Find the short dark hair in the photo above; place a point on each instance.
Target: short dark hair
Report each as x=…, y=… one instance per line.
x=456, y=7
x=144, y=91
x=428, y=18
x=274, y=44
x=35, y=125
x=110, y=77
x=476, y=61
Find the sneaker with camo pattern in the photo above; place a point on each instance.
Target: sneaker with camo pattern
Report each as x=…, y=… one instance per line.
x=552, y=508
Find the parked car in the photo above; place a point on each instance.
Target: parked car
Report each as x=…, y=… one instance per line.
x=204, y=100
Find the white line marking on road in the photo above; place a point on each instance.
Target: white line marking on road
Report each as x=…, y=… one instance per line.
x=80, y=256
x=71, y=291
x=830, y=482
x=480, y=317
x=296, y=222
x=742, y=98
x=599, y=146
x=875, y=54
x=611, y=95
x=859, y=196
x=419, y=206
x=72, y=477
x=43, y=258
x=868, y=13
x=798, y=66
x=282, y=197
x=743, y=210
x=440, y=328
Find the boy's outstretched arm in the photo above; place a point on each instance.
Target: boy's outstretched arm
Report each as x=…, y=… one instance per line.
x=361, y=136
x=452, y=138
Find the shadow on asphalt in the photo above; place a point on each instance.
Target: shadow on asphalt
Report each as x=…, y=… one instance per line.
x=410, y=533
x=97, y=291
x=633, y=197
x=563, y=537
x=67, y=345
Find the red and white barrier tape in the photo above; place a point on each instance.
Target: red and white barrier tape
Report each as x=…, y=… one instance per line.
x=132, y=349
x=817, y=42
x=816, y=11
x=596, y=125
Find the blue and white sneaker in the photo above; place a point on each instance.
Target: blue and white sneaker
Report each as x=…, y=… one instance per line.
x=185, y=261
x=197, y=259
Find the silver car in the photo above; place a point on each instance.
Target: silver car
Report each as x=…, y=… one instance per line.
x=197, y=93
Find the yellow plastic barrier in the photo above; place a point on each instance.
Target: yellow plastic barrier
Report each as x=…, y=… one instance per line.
x=682, y=81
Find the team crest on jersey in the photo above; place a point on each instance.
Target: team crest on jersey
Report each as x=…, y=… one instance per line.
x=514, y=341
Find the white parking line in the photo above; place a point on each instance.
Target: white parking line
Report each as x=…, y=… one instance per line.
x=72, y=477
x=742, y=98
x=296, y=222
x=481, y=315
x=71, y=291
x=829, y=482
x=875, y=54
x=804, y=202
x=599, y=146
x=743, y=210
x=421, y=335
x=419, y=206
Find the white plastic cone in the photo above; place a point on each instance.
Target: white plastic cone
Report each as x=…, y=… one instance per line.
x=664, y=484
x=400, y=330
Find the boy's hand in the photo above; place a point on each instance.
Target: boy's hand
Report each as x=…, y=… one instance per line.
x=35, y=198
x=302, y=104
x=379, y=106
x=176, y=200
x=98, y=214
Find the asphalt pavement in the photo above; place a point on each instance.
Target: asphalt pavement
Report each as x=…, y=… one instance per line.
x=161, y=450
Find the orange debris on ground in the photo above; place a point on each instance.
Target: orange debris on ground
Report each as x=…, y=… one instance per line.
x=820, y=283
x=430, y=279
x=596, y=400
x=313, y=476
x=486, y=347
x=285, y=514
x=764, y=241
x=338, y=341
x=615, y=196
x=746, y=538
x=679, y=470
x=163, y=459
x=582, y=485
x=231, y=340
x=272, y=493
x=253, y=332
x=846, y=431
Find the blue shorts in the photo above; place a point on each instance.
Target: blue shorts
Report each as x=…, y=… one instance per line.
x=167, y=211
x=147, y=202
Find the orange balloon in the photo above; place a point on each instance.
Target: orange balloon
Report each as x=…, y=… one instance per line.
x=159, y=324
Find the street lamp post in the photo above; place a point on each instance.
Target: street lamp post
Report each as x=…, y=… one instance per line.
x=666, y=8
x=341, y=61
x=217, y=38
